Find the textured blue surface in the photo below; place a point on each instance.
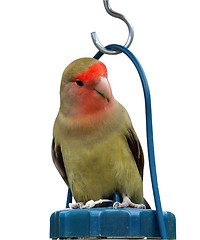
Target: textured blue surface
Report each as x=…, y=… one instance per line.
x=109, y=222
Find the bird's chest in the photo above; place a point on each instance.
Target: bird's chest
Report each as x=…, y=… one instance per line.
x=84, y=158
x=91, y=165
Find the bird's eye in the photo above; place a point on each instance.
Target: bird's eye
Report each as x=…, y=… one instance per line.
x=79, y=82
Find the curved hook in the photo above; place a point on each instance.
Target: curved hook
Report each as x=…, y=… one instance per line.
x=123, y=18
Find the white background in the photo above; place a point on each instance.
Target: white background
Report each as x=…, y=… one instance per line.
x=38, y=40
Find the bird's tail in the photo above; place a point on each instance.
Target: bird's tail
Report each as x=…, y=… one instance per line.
x=146, y=204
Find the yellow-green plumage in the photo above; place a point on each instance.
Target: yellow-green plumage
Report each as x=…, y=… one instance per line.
x=97, y=157
x=99, y=162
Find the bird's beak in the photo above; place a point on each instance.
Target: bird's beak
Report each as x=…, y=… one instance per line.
x=103, y=88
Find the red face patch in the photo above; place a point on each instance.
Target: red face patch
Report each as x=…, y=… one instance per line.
x=94, y=72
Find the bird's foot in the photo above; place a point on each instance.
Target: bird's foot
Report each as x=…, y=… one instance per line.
x=89, y=204
x=78, y=205
x=126, y=203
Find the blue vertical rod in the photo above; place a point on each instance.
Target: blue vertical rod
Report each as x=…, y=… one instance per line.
x=69, y=198
x=149, y=132
x=116, y=197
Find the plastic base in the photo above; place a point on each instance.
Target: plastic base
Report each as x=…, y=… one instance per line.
x=109, y=223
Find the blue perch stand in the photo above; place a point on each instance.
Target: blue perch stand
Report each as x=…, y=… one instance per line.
x=109, y=223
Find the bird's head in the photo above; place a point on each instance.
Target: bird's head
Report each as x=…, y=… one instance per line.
x=85, y=89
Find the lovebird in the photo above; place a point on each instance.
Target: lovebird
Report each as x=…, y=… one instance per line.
x=95, y=147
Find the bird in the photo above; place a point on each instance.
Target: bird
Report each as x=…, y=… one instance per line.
x=95, y=147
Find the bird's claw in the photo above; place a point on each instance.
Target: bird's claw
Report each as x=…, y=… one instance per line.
x=89, y=204
x=128, y=205
x=76, y=205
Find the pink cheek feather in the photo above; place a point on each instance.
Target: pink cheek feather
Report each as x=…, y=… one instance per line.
x=87, y=100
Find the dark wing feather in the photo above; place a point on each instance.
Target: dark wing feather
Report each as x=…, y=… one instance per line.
x=146, y=204
x=136, y=150
x=58, y=161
